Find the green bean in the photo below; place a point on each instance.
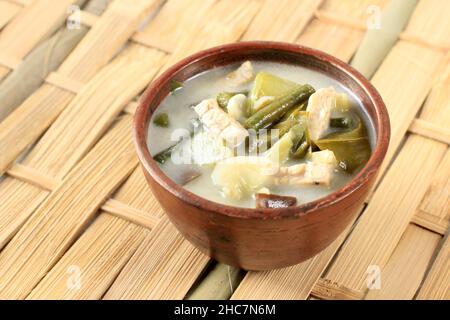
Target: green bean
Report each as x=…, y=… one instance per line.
x=345, y=122
x=161, y=120
x=274, y=111
x=165, y=154
x=162, y=156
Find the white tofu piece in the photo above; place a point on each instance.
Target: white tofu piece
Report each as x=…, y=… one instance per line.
x=320, y=105
x=242, y=75
x=220, y=123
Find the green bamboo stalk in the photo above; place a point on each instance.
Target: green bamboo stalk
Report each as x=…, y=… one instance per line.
x=377, y=43
x=219, y=283
x=40, y=62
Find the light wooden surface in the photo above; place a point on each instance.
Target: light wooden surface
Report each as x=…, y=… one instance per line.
x=77, y=220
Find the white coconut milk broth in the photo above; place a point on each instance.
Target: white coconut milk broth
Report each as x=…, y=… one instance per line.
x=178, y=106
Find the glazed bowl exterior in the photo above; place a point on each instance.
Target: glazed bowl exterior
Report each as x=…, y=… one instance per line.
x=261, y=239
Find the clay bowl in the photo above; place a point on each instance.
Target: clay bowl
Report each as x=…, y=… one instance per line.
x=261, y=239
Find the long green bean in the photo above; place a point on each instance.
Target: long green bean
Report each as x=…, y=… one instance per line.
x=275, y=110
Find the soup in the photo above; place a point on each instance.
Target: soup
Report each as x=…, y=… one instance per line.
x=260, y=134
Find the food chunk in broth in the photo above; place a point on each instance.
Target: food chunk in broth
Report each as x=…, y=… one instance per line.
x=260, y=135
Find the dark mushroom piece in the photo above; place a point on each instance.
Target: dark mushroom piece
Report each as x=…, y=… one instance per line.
x=273, y=201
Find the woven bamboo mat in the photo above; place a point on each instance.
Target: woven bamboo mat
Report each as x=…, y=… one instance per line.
x=77, y=220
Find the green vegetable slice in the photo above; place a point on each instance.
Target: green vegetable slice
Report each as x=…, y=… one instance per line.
x=351, y=147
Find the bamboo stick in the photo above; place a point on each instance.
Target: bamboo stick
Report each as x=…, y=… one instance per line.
x=35, y=114
x=7, y=12
x=388, y=213
x=437, y=285
x=164, y=31
x=45, y=58
x=287, y=20
x=65, y=213
x=377, y=42
x=37, y=23
x=403, y=273
x=219, y=283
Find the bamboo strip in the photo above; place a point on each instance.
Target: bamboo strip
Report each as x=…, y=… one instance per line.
x=431, y=222
x=294, y=282
x=335, y=39
x=9, y=61
x=361, y=9
x=63, y=215
x=416, y=77
x=429, y=23
x=361, y=25
x=7, y=12
x=282, y=20
x=33, y=117
x=17, y=207
x=130, y=214
x=403, y=273
x=420, y=40
x=33, y=176
x=219, y=283
x=93, y=110
x=133, y=194
x=164, y=31
x=22, y=3
x=88, y=272
x=35, y=21
x=437, y=284
x=430, y=130
x=342, y=20
x=64, y=82
x=377, y=42
x=163, y=267
x=218, y=28
x=87, y=117
x=87, y=18
x=45, y=58
x=325, y=289
x=388, y=213
x=435, y=206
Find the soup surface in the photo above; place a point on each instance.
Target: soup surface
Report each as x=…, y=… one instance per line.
x=260, y=134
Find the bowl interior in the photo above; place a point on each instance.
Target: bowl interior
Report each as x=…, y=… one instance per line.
x=274, y=52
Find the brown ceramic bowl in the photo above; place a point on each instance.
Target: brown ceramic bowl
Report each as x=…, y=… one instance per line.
x=261, y=239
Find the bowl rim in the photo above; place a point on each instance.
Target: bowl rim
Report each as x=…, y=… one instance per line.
x=382, y=128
